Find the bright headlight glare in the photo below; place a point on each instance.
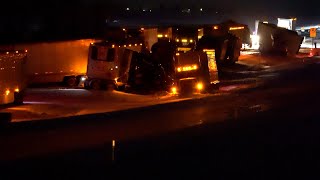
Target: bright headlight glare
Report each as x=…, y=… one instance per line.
x=199, y=86
x=83, y=78
x=174, y=90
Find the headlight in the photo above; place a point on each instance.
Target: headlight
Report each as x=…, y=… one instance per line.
x=7, y=92
x=199, y=86
x=83, y=78
x=174, y=90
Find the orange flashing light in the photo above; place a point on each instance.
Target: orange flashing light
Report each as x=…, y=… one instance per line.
x=236, y=28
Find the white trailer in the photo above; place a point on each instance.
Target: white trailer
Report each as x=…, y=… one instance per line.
x=12, y=76
x=109, y=64
x=60, y=61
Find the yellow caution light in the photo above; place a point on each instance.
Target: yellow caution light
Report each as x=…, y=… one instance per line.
x=184, y=40
x=7, y=92
x=195, y=67
x=187, y=68
x=160, y=36
x=17, y=90
x=191, y=40
x=199, y=86
x=174, y=90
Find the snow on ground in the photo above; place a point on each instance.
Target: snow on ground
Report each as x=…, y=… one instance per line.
x=255, y=60
x=53, y=103
x=44, y=103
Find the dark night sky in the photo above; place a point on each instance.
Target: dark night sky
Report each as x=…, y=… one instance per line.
x=252, y=7
x=36, y=18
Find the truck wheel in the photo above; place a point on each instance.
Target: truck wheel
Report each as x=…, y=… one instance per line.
x=71, y=81
x=18, y=98
x=111, y=86
x=121, y=88
x=95, y=85
x=86, y=85
x=214, y=87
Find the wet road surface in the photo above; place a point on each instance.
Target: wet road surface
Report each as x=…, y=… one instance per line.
x=267, y=132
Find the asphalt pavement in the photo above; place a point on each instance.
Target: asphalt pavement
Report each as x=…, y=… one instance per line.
x=270, y=131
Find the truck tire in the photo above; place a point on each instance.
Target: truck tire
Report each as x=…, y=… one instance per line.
x=86, y=84
x=95, y=85
x=214, y=87
x=121, y=88
x=18, y=98
x=70, y=81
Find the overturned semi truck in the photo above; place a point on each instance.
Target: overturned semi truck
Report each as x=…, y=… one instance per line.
x=277, y=40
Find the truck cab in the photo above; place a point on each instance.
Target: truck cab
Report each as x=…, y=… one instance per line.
x=196, y=71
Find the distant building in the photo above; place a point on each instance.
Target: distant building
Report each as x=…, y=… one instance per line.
x=305, y=32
